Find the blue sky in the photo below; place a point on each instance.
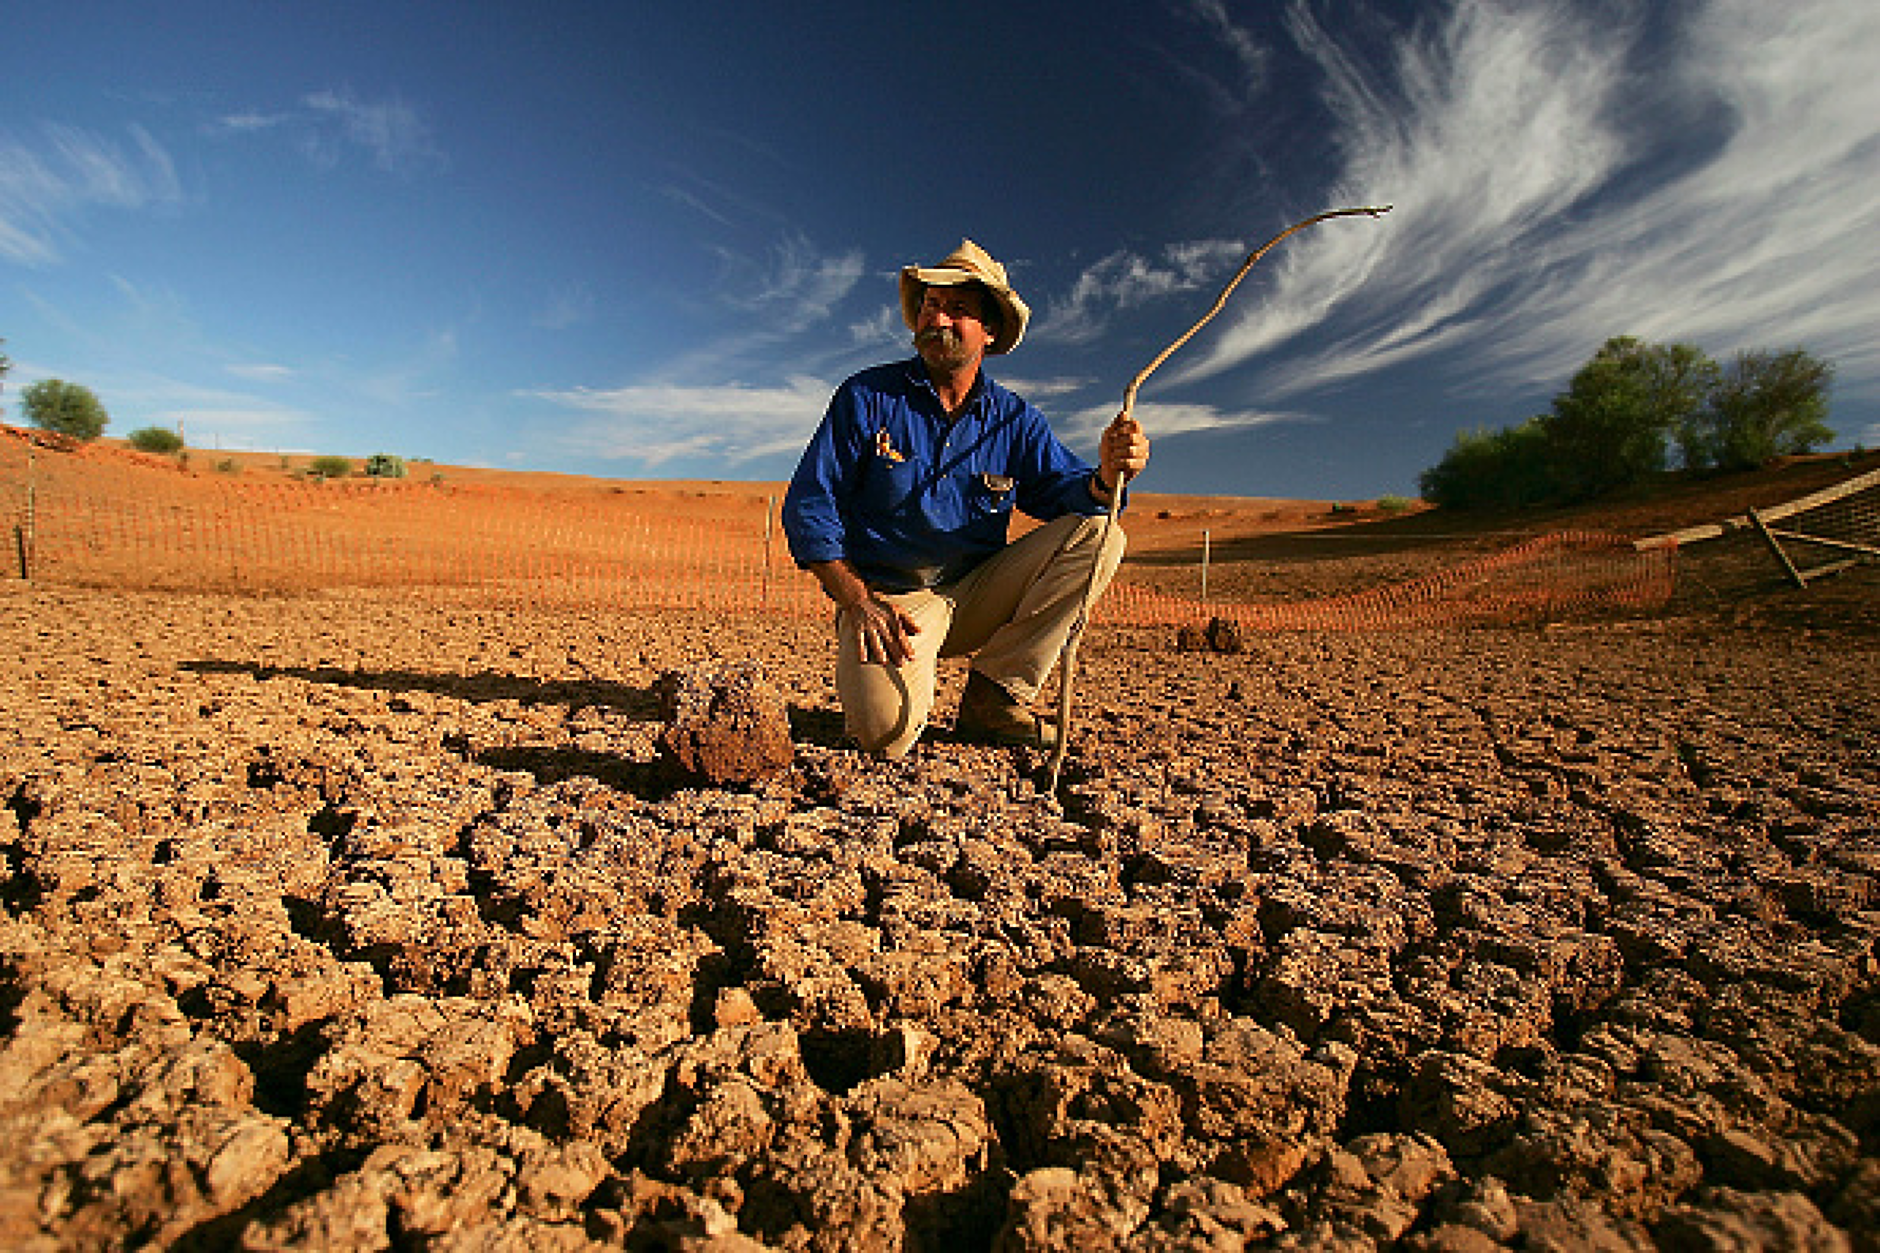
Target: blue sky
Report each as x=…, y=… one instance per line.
x=646, y=240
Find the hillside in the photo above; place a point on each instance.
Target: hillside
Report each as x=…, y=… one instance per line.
x=117, y=513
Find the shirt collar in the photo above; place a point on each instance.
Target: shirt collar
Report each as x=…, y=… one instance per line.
x=982, y=385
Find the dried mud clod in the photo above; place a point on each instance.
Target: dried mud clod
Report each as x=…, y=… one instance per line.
x=725, y=725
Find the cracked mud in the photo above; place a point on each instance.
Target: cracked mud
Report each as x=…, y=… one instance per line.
x=368, y=925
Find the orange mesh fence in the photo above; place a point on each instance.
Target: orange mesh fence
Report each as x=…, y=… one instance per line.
x=1568, y=572
x=81, y=520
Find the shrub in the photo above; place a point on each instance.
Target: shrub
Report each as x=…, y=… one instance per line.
x=67, y=408
x=1393, y=504
x=160, y=440
x=383, y=465
x=1491, y=469
x=330, y=467
x=228, y=465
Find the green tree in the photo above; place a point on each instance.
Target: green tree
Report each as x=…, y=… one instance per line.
x=384, y=465
x=1764, y=405
x=1609, y=429
x=68, y=408
x=157, y=439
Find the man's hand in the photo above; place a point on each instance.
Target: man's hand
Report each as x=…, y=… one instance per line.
x=1125, y=453
x=882, y=629
x=884, y=632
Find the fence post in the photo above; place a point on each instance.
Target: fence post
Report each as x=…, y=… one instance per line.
x=1206, y=547
x=29, y=536
x=770, y=508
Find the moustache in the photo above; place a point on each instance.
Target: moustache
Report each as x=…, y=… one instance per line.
x=945, y=336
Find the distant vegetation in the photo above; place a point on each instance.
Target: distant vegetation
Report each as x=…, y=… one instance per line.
x=383, y=465
x=1614, y=426
x=160, y=440
x=66, y=408
x=330, y=467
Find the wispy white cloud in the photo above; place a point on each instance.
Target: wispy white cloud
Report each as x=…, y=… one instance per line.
x=698, y=204
x=257, y=427
x=794, y=278
x=417, y=373
x=881, y=328
x=249, y=122
x=390, y=130
x=1485, y=130
x=262, y=372
x=1081, y=427
x=1554, y=189
x=1125, y=280
x=1036, y=388
x=51, y=178
x=209, y=416
x=653, y=425
x=568, y=307
x=1234, y=89
x=1251, y=57
x=781, y=304
x=326, y=125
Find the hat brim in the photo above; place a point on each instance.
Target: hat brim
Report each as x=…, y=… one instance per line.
x=916, y=279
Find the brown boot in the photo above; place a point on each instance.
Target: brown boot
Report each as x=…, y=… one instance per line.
x=991, y=715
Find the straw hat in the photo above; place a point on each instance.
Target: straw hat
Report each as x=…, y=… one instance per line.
x=969, y=263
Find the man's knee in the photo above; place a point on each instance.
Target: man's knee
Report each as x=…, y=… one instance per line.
x=884, y=738
x=883, y=722
x=1098, y=528
x=1087, y=533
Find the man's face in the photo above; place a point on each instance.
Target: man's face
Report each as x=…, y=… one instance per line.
x=950, y=331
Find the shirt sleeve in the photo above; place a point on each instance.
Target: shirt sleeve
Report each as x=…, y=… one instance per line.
x=812, y=513
x=1054, y=480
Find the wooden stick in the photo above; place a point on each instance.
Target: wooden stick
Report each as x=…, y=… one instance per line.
x=1067, y=659
x=1714, y=530
x=1803, y=537
x=1775, y=549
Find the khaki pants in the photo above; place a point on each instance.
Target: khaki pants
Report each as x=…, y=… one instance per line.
x=1012, y=614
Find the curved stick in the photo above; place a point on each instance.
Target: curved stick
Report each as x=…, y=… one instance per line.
x=1067, y=659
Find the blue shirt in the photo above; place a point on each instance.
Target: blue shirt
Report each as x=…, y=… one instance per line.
x=911, y=501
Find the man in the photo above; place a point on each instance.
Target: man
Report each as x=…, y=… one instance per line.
x=900, y=509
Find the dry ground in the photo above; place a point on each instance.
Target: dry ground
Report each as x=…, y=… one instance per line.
x=368, y=924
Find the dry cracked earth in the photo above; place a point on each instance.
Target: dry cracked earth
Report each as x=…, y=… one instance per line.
x=368, y=925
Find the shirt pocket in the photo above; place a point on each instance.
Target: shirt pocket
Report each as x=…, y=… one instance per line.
x=988, y=493
x=889, y=485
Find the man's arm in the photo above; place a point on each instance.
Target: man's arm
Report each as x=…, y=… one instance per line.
x=840, y=583
x=883, y=630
